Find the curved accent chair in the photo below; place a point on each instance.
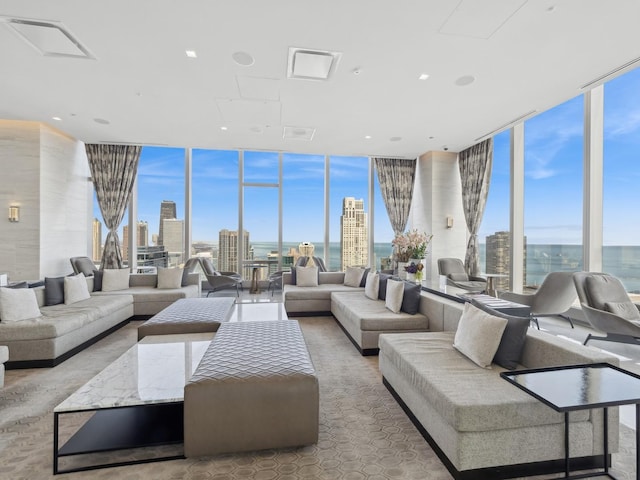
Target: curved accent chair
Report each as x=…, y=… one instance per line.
x=275, y=281
x=220, y=280
x=457, y=276
x=83, y=265
x=554, y=297
x=608, y=308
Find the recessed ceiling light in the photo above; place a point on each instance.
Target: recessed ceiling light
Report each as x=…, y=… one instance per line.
x=465, y=80
x=552, y=8
x=243, y=58
x=423, y=76
x=368, y=137
x=191, y=53
x=431, y=138
x=224, y=129
x=57, y=119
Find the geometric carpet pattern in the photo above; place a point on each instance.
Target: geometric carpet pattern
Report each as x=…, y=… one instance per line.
x=364, y=434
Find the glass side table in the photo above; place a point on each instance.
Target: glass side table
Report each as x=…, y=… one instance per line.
x=580, y=387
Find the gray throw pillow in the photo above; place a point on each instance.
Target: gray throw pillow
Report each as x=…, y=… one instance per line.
x=411, y=298
x=512, y=343
x=53, y=290
x=363, y=282
x=97, y=280
x=626, y=310
x=382, y=289
x=604, y=288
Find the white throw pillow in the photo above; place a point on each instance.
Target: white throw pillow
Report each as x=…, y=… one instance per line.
x=18, y=304
x=395, y=293
x=478, y=335
x=115, y=279
x=372, y=286
x=170, y=277
x=307, y=276
x=353, y=276
x=75, y=289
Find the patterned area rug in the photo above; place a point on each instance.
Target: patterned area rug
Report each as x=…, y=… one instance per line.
x=364, y=434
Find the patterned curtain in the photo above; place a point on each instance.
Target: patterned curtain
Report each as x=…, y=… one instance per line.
x=113, y=170
x=475, y=172
x=396, y=177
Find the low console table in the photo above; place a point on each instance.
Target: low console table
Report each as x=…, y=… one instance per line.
x=581, y=387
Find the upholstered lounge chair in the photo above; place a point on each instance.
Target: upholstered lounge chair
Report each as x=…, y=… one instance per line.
x=608, y=308
x=457, y=276
x=83, y=265
x=220, y=280
x=554, y=297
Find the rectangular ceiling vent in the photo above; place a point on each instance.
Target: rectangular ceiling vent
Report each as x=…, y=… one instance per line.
x=51, y=39
x=308, y=64
x=615, y=72
x=510, y=124
x=298, y=133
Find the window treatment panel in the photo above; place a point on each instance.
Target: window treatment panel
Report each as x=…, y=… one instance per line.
x=475, y=173
x=396, y=177
x=113, y=170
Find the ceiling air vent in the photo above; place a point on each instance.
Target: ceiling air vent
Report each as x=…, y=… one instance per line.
x=51, y=39
x=311, y=64
x=616, y=71
x=298, y=133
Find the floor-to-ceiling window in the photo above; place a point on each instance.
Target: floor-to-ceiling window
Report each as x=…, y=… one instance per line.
x=214, y=205
x=621, y=177
x=493, y=235
x=348, y=213
x=261, y=212
x=553, y=190
x=303, y=204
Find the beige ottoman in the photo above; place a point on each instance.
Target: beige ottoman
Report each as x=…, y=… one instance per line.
x=254, y=389
x=188, y=315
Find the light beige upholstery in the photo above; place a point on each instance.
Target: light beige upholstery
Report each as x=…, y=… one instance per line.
x=299, y=299
x=477, y=418
x=254, y=389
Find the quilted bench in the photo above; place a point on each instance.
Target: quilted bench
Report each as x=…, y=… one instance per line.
x=188, y=315
x=255, y=388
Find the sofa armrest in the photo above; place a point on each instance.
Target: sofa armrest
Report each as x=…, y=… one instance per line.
x=545, y=350
x=286, y=278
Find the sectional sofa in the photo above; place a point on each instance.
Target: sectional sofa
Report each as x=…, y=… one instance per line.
x=362, y=318
x=480, y=425
x=60, y=331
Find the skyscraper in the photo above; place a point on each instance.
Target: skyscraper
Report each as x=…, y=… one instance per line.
x=97, y=240
x=174, y=240
x=167, y=211
x=228, y=249
x=498, y=258
x=354, y=245
x=143, y=234
x=124, y=243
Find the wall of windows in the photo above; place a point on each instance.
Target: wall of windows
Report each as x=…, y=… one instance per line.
x=621, y=177
x=553, y=190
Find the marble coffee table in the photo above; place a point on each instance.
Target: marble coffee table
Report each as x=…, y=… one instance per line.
x=137, y=401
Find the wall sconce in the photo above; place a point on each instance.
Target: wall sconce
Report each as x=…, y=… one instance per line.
x=14, y=213
x=449, y=222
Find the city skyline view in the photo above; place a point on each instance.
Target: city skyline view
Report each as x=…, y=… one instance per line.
x=553, y=182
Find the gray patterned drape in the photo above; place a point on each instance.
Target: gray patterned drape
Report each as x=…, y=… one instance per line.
x=475, y=173
x=113, y=170
x=396, y=177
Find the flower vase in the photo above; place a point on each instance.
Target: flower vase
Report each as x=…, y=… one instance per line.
x=418, y=277
x=411, y=277
x=402, y=273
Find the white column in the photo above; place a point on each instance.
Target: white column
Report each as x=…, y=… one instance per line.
x=132, y=244
x=516, y=229
x=187, y=205
x=437, y=194
x=371, y=255
x=327, y=207
x=592, y=187
x=240, y=212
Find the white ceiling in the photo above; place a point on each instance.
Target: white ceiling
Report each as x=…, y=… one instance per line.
x=525, y=56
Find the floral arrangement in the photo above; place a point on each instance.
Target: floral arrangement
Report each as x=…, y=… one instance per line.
x=411, y=244
x=415, y=269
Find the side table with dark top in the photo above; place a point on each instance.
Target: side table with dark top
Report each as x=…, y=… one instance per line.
x=597, y=385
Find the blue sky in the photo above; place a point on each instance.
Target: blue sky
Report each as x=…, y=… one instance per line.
x=553, y=182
